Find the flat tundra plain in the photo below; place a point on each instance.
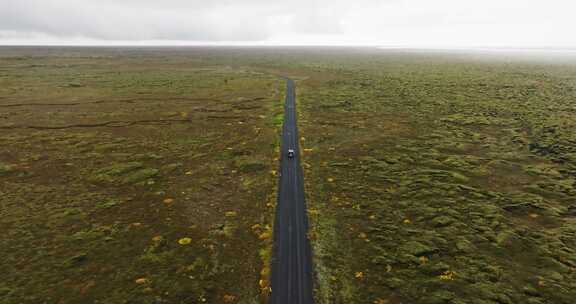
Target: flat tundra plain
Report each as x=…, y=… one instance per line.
x=149, y=175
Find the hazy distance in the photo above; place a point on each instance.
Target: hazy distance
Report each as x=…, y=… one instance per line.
x=396, y=23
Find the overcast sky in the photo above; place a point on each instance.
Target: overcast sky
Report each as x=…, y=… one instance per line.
x=428, y=23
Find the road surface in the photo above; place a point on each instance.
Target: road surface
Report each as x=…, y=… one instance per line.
x=292, y=259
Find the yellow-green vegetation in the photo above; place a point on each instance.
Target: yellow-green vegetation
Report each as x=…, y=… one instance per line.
x=149, y=175
x=133, y=176
x=439, y=178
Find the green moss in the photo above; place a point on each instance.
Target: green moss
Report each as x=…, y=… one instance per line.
x=108, y=204
x=465, y=246
x=442, y=221
x=154, y=258
x=417, y=249
x=146, y=156
x=474, y=119
x=492, y=132
x=5, y=290
x=434, y=268
x=247, y=164
x=6, y=169
x=124, y=173
x=107, y=147
x=171, y=168
x=88, y=235
x=278, y=119
x=439, y=297
x=226, y=229
x=139, y=176
x=120, y=169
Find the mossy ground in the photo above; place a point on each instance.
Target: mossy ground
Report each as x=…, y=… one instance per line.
x=147, y=175
x=441, y=180
x=133, y=178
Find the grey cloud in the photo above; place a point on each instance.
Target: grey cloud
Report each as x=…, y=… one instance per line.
x=101, y=21
x=384, y=22
x=213, y=20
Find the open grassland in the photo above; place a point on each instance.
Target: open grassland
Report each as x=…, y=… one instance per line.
x=439, y=179
x=134, y=177
x=147, y=176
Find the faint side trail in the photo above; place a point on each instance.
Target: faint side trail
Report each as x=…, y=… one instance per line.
x=115, y=124
x=292, y=257
x=128, y=100
x=221, y=100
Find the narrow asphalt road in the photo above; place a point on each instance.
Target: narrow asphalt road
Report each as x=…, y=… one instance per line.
x=292, y=258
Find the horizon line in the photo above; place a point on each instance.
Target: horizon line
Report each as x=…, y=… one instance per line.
x=271, y=45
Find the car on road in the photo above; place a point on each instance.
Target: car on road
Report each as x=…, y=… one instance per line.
x=290, y=153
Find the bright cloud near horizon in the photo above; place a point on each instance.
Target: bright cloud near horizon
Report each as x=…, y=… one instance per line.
x=411, y=23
